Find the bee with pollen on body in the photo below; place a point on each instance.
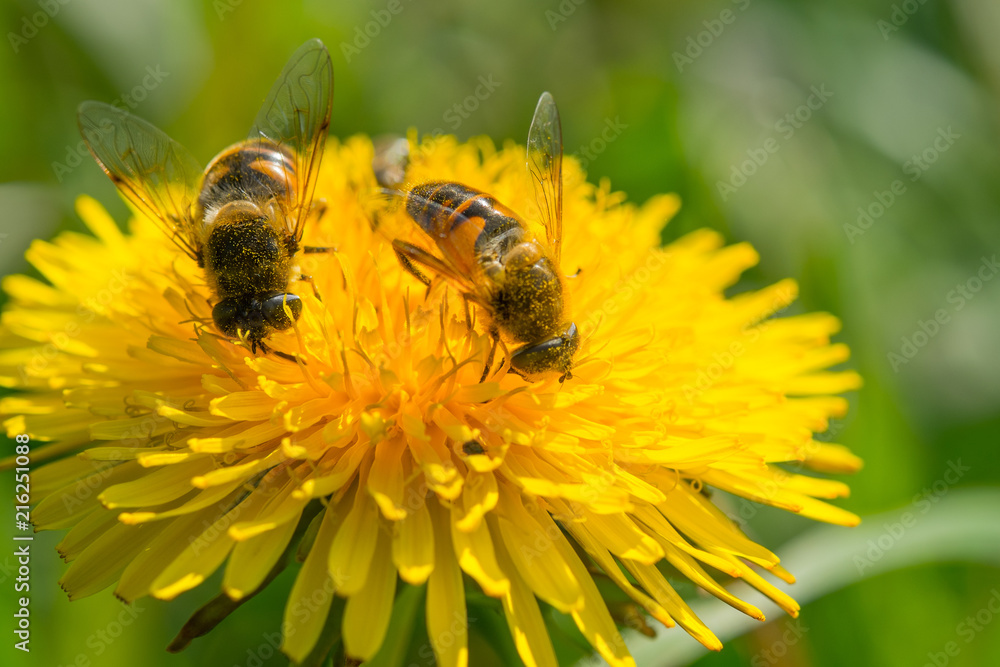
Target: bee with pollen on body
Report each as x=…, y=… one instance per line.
x=491, y=255
x=243, y=217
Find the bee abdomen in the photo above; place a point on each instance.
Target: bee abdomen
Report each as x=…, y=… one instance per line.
x=249, y=170
x=441, y=207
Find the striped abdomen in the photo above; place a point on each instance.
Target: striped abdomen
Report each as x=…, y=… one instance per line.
x=251, y=170
x=464, y=222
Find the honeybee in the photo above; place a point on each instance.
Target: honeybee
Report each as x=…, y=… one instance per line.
x=241, y=219
x=497, y=263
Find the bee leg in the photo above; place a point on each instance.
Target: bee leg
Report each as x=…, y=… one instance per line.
x=489, y=359
x=309, y=279
x=264, y=349
x=468, y=314
x=506, y=356
x=318, y=208
x=410, y=255
x=411, y=269
x=404, y=253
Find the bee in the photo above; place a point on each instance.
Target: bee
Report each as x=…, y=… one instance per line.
x=489, y=253
x=392, y=156
x=242, y=218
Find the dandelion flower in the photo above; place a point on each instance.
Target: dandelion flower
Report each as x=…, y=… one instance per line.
x=380, y=460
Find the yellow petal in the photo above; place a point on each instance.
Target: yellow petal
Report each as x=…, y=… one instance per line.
x=447, y=621
x=826, y=457
x=99, y=222
x=241, y=471
x=523, y=616
x=244, y=406
x=311, y=595
x=353, y=547
x=172, y=539
x=781, y=598
x=654, y=582
x=196, y=502
x=281, y=507
x=100, y=564
x=194, y=564
x=252, y=560
x=367, y=613
x=66, y=505
x=156, y=488
x=620, y=534
x=533, y=551
x=592, y=618
x=88, y=529
x=327, y=482
x=607, y=563
x=385, y=481
x=479, y=496
x=412, y=550
x=474, y=550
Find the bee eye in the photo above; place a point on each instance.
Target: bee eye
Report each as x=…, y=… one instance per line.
x=553, y=354
x=273, y=308
x=228, y=315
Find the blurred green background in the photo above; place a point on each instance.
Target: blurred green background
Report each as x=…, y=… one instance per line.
x=854, y=144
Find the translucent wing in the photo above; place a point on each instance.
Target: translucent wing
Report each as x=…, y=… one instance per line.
x=296, y=115
x=545, y=153
x=158, y=175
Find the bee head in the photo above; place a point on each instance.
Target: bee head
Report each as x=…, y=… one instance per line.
x=255, y=316
x=554, y=354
